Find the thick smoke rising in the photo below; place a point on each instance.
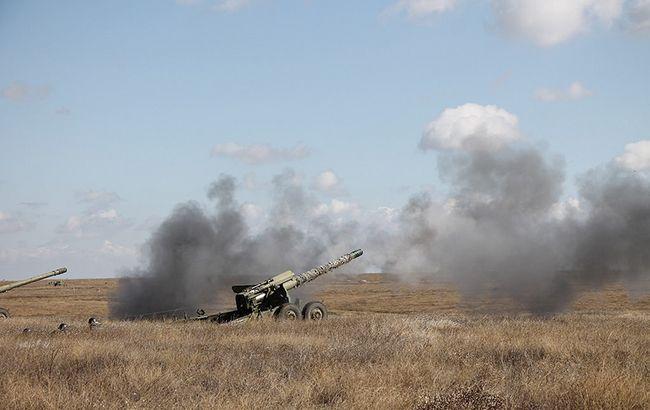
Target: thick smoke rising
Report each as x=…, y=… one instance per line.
x=505, y=228
x=615, y=238
x=499, y=231
x=495, y=231
x=196, y=252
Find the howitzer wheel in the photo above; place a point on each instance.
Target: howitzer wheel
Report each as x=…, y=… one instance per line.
x=288, y=311
x=4, y=313
x=315, y=311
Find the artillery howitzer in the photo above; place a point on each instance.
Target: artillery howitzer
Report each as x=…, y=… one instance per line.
x=4, y=313
x=272, y=295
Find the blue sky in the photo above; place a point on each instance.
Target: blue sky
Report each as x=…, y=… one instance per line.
x=111, y=113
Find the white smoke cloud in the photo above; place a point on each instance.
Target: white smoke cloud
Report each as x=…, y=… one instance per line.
x=636, y=156
x=551, y=22
x=255, y=154
x=417, y=9
x=471, y=127
x=575, y=91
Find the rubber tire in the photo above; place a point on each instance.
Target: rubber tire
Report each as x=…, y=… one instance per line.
x=288, y=311
x=4, y=314
x=315, y=311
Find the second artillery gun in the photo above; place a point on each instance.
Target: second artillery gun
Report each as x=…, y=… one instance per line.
x=272, y=296
x=4, y=313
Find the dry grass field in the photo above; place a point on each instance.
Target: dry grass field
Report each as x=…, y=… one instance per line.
x=388, y=345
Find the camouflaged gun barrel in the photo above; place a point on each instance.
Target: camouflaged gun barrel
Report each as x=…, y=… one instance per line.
x=273, y=295
x=312, y=274
x=18, y=284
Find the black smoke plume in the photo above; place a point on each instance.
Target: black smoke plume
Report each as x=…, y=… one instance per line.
x=196, y=252
x=499, y=231
x=502, y=228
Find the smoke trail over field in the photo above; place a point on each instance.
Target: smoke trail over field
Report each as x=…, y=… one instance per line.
x=504, y=227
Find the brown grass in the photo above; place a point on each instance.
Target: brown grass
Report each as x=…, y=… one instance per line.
x=453, y=358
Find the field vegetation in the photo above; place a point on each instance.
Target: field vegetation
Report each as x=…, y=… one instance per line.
x=388, y=345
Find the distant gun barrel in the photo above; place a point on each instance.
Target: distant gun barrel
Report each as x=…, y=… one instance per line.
x=312, y=274
x=6, y=288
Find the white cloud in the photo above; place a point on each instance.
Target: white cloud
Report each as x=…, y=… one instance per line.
x=575, y=91
x=471, y=127
x=231, y=6
x=545, y=23
x=99, y=216
x=638, y=16
x=417, y=9
x=328, y=181
x=39, y=252
x=110, y=248
x=22, y=92
x=13, y=224
x=93, y=223
x=636, y=156
x=98, y=199
x=259, y=153
x=550, y=22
